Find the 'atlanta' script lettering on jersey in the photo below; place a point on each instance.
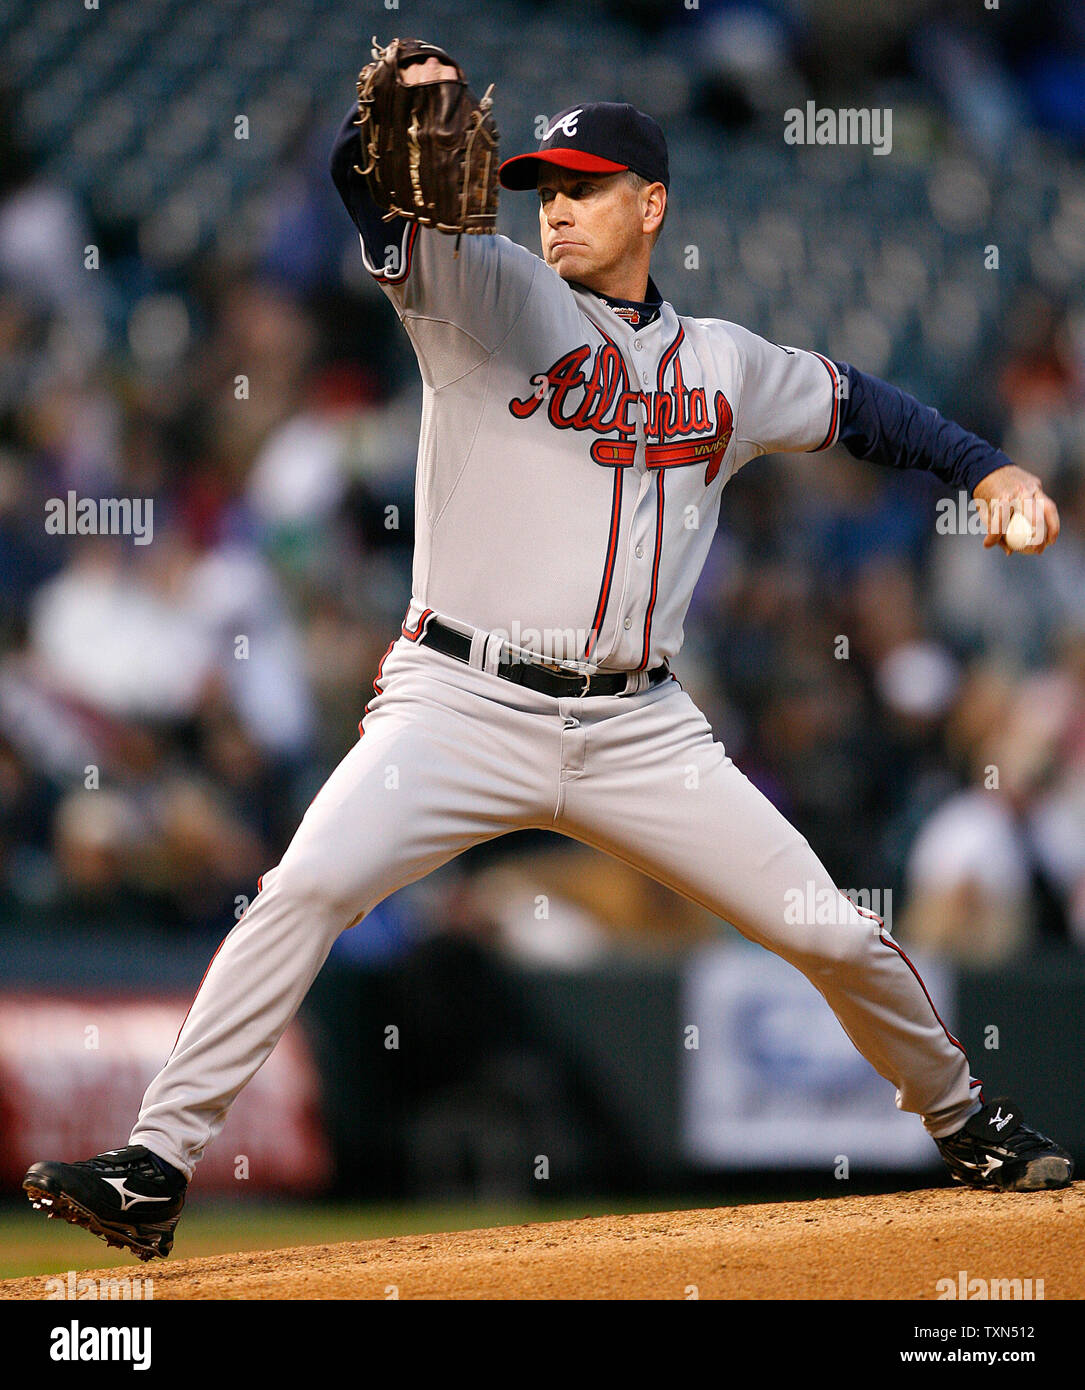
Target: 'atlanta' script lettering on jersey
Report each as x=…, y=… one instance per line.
x=679, y=427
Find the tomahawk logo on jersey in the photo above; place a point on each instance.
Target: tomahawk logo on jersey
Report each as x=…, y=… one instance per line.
x=677, y=425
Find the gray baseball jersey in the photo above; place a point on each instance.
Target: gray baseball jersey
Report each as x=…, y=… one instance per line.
x=570, y=464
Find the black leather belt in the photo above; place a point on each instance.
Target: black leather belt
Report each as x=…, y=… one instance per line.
x=544, y=679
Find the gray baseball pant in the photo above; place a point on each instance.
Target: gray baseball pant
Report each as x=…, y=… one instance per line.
x=452, y=755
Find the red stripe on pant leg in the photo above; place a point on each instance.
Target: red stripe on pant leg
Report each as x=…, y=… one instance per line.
x=865, y=911
x=191, y=1006
x=377, y=688
x=888, y=941
x=873, y=917
x=210, y=963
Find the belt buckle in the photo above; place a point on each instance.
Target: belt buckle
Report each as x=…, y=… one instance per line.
x=561, y=670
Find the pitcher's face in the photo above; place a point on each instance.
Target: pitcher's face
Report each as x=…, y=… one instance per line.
x=590, y=225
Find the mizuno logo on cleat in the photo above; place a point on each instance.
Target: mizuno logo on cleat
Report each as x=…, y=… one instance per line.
x=133, y=1197
x=984, y=1169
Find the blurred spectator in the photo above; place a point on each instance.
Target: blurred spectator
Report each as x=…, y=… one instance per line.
x=43, y=233
x=146, y=639
x=1000, y=866
x=571, y=905
x=96, y=837
x=968, y=883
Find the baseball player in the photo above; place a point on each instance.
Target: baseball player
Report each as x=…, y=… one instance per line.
x=576, y=438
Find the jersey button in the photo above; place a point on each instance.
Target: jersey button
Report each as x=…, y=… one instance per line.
x=627, y=624
x=638, y=345
x=640, y=552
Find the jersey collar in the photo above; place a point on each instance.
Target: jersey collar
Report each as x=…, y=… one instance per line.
x=636, y=313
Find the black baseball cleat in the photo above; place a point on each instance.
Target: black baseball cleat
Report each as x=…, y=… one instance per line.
x=128, y=1197
x=995, y=1149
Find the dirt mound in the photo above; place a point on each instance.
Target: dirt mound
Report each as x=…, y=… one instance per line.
x=882, y=1247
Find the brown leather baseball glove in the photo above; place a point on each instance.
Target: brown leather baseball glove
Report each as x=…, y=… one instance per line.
x=430, y=149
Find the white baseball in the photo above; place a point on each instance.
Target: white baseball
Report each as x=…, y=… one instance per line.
x=1018, y=533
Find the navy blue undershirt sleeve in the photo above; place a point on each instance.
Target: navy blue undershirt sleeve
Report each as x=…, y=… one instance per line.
x=884, y=424
x=377, y=234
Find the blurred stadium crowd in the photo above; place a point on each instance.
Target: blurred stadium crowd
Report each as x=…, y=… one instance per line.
x=223, y=354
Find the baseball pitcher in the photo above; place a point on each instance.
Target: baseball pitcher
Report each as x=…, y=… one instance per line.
x=576, y=439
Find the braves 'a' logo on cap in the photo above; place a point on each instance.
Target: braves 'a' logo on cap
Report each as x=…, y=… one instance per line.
x=567, y=124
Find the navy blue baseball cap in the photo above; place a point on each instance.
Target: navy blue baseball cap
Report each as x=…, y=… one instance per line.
x=600, y=137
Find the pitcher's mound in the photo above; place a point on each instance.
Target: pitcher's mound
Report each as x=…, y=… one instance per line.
x=913, y=1245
